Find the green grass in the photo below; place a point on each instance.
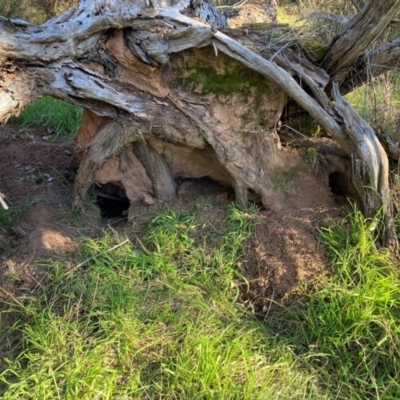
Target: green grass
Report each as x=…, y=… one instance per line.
x=359, y=99
x=285, y=17
x=160, y=319
x=13, y=215
x=348, y=331
x=54, y=116
x=378, y=101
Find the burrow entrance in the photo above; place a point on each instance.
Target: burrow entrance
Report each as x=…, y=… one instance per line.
x=338, y=183
x=342, y=187
x=112, y=200
x=113, y=203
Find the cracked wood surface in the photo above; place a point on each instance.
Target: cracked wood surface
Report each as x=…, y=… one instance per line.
x=355, y=37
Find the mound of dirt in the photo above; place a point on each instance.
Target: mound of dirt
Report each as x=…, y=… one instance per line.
x=282, y=252
x=48, y=239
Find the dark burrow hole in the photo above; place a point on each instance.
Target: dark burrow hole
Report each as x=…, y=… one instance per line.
x=342, y=188
x=204, y=186
x=111, y=200
x=338, y=183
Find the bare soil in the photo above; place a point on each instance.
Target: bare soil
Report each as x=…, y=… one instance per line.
x=36, y=175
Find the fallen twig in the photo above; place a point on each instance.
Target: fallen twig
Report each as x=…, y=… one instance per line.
x=2, y=202
x=94, y=256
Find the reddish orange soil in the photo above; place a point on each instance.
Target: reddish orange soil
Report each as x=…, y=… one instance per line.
x=37, y=176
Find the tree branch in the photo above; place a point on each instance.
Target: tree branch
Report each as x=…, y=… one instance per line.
x=375, y=63
x=356, y=36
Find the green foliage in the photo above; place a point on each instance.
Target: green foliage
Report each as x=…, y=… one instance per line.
x=13, y=215
x=9, y=9
x=377, y=101
x=154, y=321
x=36, y=11
x=52, y=8
x=56, y=116
x=311, y=156
x=313, y=50
x=339, y=7
x=348, y=331
x=161, y=320
x=287, y=14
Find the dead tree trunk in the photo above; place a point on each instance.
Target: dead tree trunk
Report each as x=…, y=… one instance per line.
x=168, y=94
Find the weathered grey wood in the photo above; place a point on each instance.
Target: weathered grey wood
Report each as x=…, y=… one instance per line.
x=158, y=170
x=370, y=166
x=66, y=36
x=70, y=58
x=357, y=35
x=389, y=143
x=371, y=65
x=17, y=91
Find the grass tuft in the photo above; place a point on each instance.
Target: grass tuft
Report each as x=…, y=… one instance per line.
x=13, y=215
x=57, y=117
x=153, y=321
x=160, y=319
x=348, y=331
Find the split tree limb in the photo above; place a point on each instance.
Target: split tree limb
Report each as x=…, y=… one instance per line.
x=354, y=38
x=370, y=167
x=367, y=67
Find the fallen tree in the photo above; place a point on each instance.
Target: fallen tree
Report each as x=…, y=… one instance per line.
x=167, y=92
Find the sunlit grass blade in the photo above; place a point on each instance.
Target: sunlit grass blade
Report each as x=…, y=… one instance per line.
x=54, y=116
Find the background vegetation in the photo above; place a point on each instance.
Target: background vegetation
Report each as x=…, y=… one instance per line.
x=160, y=317
x=318, y=21
x=35, y=11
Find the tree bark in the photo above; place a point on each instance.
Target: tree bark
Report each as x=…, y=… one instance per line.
x=357, y=35
x=376, y=62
